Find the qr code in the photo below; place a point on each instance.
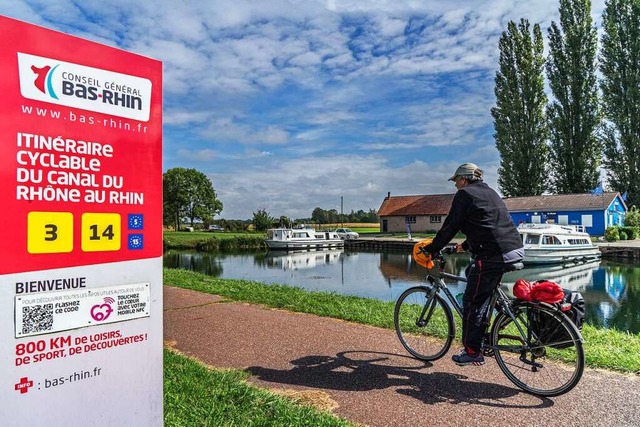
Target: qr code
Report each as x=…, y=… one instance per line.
x=37, y=318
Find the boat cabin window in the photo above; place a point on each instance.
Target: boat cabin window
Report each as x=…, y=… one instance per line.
x=578, y=241
x=532, y=239
x=300, y=234
x=550, y=240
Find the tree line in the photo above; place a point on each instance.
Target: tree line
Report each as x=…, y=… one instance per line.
x=262, y=220
x=590, y=122
x=189, y=198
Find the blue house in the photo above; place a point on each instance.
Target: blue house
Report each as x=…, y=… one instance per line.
x=595, y=212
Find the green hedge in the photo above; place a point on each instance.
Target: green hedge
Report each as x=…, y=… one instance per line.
x=240, y=242
x=614, y=233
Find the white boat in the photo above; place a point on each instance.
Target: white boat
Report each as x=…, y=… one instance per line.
x=304, y=238
x=556, y=244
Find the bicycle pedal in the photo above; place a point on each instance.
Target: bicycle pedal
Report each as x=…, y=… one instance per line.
x=488, y=352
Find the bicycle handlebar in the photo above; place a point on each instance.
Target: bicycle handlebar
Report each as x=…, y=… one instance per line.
x=449, y=250
x=438, y=258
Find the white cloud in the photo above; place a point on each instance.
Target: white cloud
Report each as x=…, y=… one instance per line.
x=205, y=155
x=362, y=181
x=313, y=99
x=228, y=130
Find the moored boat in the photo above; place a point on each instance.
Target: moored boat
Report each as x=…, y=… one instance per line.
x=556, y=244
x=304, y=238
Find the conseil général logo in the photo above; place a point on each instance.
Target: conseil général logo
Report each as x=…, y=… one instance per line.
x=87, y=88
x=43, y=80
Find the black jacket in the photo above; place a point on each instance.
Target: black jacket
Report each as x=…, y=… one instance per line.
x=480, y=214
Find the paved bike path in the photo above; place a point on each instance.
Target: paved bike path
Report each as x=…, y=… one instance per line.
x=367, y=377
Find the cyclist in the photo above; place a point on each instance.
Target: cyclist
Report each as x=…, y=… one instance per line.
x=491, y=236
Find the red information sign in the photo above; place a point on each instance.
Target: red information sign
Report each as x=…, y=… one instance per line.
x=81, y=231
x=80, y=150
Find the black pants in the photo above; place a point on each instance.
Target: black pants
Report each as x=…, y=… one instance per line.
x=482, y=279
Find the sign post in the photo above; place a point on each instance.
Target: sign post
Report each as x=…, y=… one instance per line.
x=81, y=232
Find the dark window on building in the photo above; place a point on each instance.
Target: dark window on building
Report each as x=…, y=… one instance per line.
x=435, y=218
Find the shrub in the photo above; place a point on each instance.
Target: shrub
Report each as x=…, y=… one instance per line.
x=210, y=245
x=631, y=232
x=234, y=243
x=632, y=219
x=611, y=234
x=622, y=234
x=243, y=242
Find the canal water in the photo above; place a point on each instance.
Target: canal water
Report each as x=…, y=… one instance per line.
x=611, y=289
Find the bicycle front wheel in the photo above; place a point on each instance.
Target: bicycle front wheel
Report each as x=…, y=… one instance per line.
x=549, y=360
x=424, y=323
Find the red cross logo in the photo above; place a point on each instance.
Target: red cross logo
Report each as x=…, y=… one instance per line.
x=23, y=385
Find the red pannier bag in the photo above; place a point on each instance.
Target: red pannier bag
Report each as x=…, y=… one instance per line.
x=546, y=291
x=522, y=290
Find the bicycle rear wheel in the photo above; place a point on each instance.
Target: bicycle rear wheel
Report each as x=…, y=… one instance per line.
x=550, y=362
x=424, y=323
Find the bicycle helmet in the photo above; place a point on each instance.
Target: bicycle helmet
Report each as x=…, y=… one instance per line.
x=420, y=257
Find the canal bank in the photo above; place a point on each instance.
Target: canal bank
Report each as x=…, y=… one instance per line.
x=626, y=250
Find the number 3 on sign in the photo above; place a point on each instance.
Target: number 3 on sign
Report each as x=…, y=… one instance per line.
x=100, y=232
x=49, y=232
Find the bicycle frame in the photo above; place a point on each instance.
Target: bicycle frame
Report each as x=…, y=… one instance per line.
x=439, y=285
x=498, y=299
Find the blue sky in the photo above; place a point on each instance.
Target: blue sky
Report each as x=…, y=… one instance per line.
x=289, y=105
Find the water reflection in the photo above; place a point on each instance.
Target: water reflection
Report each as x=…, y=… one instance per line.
x=206, y=263
x=611, y=290
x=295, y=260
x=621, y=282
x=576, y=277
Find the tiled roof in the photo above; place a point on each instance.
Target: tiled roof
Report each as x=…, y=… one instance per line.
x=566, y=202
x=439, y=204
x=433, y=204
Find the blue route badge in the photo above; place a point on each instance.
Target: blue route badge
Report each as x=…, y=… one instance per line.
x=135, y=241
x=135, y=222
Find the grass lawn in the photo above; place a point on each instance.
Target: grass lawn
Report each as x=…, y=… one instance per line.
x=195, y=395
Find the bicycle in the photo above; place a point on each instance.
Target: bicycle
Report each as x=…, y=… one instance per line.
x=534, y=343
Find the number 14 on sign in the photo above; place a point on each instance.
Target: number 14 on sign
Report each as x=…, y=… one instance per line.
x=100, y=232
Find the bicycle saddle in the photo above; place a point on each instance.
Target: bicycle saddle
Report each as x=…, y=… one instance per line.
x=513, y=267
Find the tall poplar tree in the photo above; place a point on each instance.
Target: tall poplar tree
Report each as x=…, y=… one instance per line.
x=518, y=117
x=573, y=115
x=620, y=85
